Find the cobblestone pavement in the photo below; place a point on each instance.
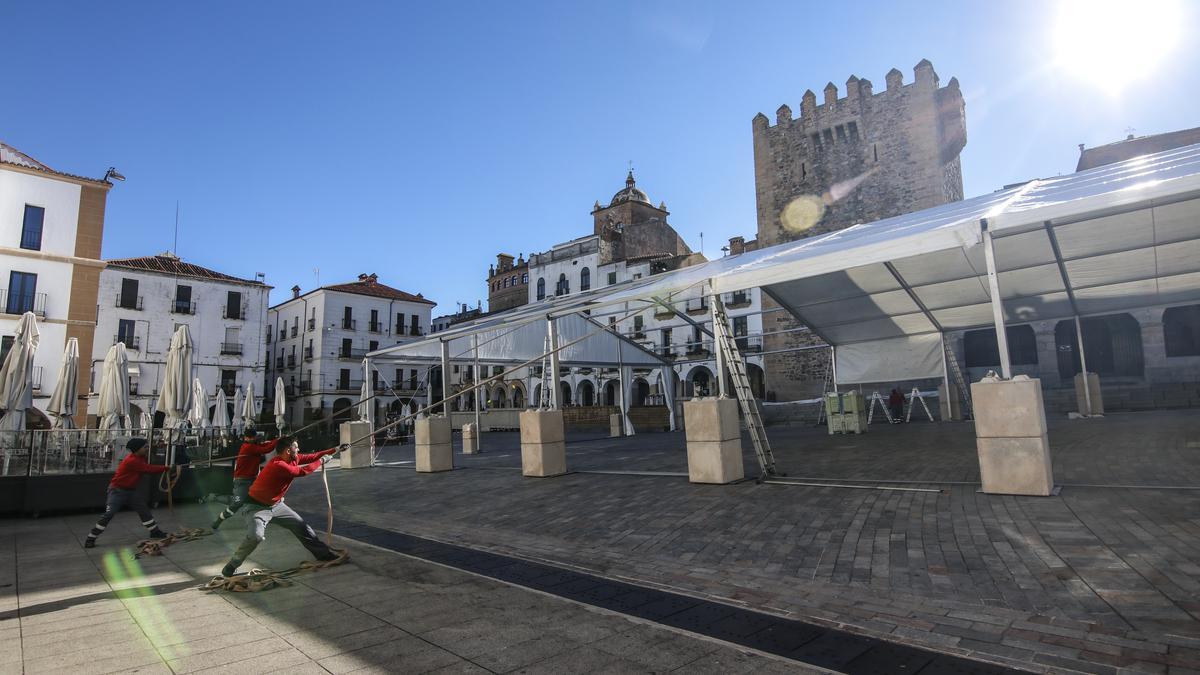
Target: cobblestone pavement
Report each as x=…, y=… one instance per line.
x=1097, y=579
x=64, y=609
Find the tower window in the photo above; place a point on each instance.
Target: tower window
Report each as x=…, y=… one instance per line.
x=816, y=141
x=828, y=136
x=841, y=132
x=852, y=129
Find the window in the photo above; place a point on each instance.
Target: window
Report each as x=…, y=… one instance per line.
x=128, y=299
x=525, y=278
x=346, y=347
x=541, y=289
x=6, y=344
x=295, y=326
x=506, y=282
x=412, y=379
x=233, y=304
x=514, y=280
x=414, y=326
x=125, y=329
x=399, y=323
x=374, y=326
x=233, y=341
x=373, y=345
x=983, y=352
x=344, y=378
x=229, y=381
x=31, y=229
x=740, y=327
x=852, y=129
x=637, y=324
x=348, y=318
x=22, y=289
x=183, y=300
x=399, y=377
x=564, y=286
x=666, y=342
x=585, y=279
x=1181, y=330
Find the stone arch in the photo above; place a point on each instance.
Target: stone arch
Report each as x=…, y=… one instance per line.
x=564, y=396
x=343, y=409
x=701, y=382
x=517, y=395
x=586, y=393
x=537, y=396
x=758, y=381
x=641, y=391
x=612, y=393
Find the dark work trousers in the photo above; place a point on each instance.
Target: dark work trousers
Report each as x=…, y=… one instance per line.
x=280, y=514
x=241, y=492
x=119, y=499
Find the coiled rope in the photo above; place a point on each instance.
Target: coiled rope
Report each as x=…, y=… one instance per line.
x=153, y=547
x=261, y=580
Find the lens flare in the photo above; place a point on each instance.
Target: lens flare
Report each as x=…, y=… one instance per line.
x=1112, y=43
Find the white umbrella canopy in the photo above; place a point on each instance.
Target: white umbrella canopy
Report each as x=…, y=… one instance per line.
x=146, y=422
x=112, y=404
x=198, y=415
x=280, y=404
x=220, y=418
x=237, y=423
x=176, y=392
x=16, y=385
x=66, y=392
x=249, y=411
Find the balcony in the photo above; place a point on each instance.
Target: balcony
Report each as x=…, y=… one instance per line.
x=306, y=386
x=312, y=324
x=19, y=303
x=703, y=348
x=270, y=334
x=352, y=353
x=133, y=342
x=738, y=300
x=291, y=361
x=230, y=388
x=666, y=352
x=638, y=334
x=308, y=353
x=349, y=324
x=348, y=385
x=279, y=362
x=374, y=327
x=295, y=330
x=231, y=349
x=750, y=344
x=183, y=307
x=238, y=313
x=697, y=306
x=663, y=313
x=129, y=302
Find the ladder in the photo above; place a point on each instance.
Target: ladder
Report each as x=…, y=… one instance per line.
x=963, y=391
x=825, y=389
x=727, y=344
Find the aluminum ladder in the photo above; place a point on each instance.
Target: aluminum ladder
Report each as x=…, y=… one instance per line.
x=732, y=356
x=963, y=391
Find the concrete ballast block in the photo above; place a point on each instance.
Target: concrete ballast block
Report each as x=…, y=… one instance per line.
x=1016, y=466
x=542, y=460
x=615, y=427
x=432, y=430
x=711, y=419
x=1008, y=408
x=717, y=462
x=470, y=439
x=541, y=426
x=949, y=402
x=359, y=454
x=1094, y=390
x=434, y=452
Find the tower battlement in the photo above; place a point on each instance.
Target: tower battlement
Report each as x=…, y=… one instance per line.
x=902, y=143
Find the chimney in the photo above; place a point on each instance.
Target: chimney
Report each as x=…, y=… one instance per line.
x=296, y=291
x=737, y=245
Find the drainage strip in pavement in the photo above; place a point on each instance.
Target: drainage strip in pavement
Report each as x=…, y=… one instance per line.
x=807, y=643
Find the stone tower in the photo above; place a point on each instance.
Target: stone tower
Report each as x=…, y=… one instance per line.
x=631, y=227
x=849, y=160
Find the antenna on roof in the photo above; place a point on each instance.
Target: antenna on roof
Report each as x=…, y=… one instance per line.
x=175, y=246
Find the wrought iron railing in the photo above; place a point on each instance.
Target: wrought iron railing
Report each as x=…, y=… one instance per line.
x=128, y=301
x=19, y=303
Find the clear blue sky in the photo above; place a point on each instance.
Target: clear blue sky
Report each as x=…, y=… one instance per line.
x=416, y=140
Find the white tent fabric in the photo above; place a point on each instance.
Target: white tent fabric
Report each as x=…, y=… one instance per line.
x=66, y=392
x=112, y=404
x=280, y=404
x=366, y=402
x=896, y=360
x=237, y=423
x=666, y=376
x=627, y=398
x=220, y=418
x=176, y=394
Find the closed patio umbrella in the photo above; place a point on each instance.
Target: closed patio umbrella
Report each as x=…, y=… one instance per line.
x=198, y=416
x=236, y=424
x=250, y=408
x=112, y=404
x=280, y=404
x=220, y=418
x=176, y=392
x=16, y=383
x=66, y=392
x=146, y=423
x=366, y=404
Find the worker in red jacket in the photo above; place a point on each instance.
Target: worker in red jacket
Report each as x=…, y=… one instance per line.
x=122, y=491
x=245, y=469
x=266, y=494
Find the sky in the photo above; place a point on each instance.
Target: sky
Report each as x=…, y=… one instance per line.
x=316, y=141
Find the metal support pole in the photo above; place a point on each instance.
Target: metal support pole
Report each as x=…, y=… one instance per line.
x=989, y=256
x=552, y=331
x=833, y=364
x=445, y=377
x=475, y=370
x=722, y=385
x=945, y=369
x=1087, y=385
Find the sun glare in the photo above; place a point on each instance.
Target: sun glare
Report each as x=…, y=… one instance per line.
x=1113, y=43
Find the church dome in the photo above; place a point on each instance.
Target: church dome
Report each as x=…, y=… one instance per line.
x=630, y=194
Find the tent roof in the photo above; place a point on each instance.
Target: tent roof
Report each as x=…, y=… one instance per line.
x=520, y=341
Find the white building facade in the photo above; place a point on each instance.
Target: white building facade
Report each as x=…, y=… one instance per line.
x=143, y=300
x=51, y=229
x=318, y=340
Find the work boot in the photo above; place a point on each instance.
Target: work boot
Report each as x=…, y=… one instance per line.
x=230, y=568
x=89, y=543
x=217, y=523
x=157, y=534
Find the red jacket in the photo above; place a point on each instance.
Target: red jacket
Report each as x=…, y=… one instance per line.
x=249, y=456
x=130, y=470
x=277, y=476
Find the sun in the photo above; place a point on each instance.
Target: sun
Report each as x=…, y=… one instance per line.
x=1114, y=43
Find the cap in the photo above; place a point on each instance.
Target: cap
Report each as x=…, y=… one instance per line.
x=135, y=444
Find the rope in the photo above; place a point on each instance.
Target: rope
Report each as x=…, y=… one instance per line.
x=153, y=547
x=167, y=484
x=328, y=503
x=261, y=580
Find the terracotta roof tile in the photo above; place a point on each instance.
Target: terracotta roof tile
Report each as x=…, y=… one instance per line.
x=166, y=263
x=11, y=155
x=369, y=285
